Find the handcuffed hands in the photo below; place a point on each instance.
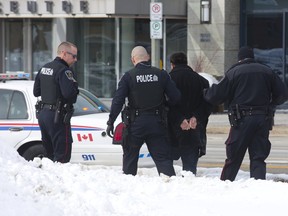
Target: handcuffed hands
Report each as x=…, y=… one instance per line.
x=189, y=124
x=193, y=123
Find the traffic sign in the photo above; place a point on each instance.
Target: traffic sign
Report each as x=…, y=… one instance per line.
x=156, y=11
x=156, y=29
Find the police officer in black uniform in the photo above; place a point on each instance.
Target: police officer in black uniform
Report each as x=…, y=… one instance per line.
x=146, y=88
x=251, y=91
x=58, y=89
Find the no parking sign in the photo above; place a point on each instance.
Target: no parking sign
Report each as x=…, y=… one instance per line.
x=156, y=14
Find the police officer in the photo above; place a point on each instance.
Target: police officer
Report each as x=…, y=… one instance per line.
x=251, y=90
x=145, y=87
x=58, y=89
x=188, y=119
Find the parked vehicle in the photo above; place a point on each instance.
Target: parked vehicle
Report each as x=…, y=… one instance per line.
x=19, y=127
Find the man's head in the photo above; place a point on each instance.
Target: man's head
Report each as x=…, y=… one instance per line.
x=139, y=54
x=178, y=58
x=245, y=53
x=68, y=52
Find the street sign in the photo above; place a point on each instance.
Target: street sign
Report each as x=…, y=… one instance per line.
x=156, y=11
x=155, y=29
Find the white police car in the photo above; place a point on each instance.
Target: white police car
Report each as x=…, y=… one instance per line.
x=19, y=127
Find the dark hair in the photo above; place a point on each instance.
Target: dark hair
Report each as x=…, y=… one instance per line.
x=245, y=52
x=178, y=58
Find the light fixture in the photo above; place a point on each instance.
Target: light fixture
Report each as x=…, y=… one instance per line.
x=205, y=11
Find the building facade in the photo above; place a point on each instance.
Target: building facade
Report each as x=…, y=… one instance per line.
x=105, y=31
x=261, y=24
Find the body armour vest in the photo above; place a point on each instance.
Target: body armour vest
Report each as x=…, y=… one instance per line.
x=146, y=89
x=50, y=91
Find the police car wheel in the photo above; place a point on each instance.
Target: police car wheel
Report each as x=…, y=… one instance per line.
x=36, y=150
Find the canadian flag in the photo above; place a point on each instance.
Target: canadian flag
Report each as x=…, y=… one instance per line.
x=84, y=137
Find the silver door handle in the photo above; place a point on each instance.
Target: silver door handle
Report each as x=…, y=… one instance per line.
x=16, y=129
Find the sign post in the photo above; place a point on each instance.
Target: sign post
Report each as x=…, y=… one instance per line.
x=156, y=15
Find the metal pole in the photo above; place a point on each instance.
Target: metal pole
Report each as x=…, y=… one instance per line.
x=155, y=50
x=164, y=59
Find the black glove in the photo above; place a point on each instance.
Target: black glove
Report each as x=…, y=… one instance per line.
x=110, y=129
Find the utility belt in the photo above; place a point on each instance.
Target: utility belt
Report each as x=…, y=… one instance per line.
x=139, y=112
x=49, y=106
x=129, y=114
x=254, y=111
x=238, y=112
x=63, y=113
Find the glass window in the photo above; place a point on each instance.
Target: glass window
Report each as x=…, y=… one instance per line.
x=266, y=5
x=84, y=106
x=18, y=107
x=41, y=42
x=262, y=28
x=13, y=105
x=137, y=32
x=286, y=49
x=96, y=41
x=264, y=34
x=87, y=103
x=176, y=37
x=133, y=32
x=96, y=66
x=5, y=96
x=14, y=45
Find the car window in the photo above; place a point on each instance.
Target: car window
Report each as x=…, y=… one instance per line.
x=84, y=106
x=13, y=105
x=5, y=96
x=94, y=100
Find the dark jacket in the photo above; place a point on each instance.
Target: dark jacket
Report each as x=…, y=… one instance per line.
x=248, y=83
x=55, y=80
x=191, y=86
x=125, y=87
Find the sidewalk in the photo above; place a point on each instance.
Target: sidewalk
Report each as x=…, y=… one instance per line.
x=218, y=123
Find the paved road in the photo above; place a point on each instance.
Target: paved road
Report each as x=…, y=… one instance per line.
x=218, y=129
x=277, y=162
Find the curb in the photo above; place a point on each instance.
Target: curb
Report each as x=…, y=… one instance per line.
x=280, y=130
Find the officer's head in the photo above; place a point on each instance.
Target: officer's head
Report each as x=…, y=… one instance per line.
x=68, y=52
x=245, y=53
x=178, y=58
x=139, y=54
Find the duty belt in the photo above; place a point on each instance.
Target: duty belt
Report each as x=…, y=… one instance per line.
x=248, y=111
x=147, y=111
x=49, y=106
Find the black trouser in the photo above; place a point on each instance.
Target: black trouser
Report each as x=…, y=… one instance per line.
x=252, y=133
x=56, y=138
x=188, y=143
x=150, y=129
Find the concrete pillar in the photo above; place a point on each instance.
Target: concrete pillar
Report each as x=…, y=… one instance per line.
x=212, y=48
x=58, y=34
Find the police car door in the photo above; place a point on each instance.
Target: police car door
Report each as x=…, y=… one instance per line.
x=15, y=122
